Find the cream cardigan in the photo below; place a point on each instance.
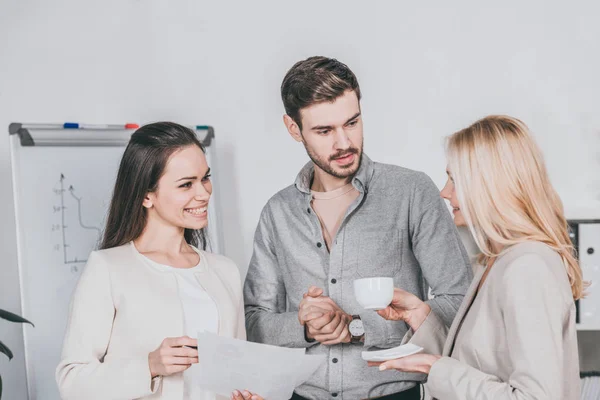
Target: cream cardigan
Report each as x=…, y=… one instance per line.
x=516, y=339
x=122, y=309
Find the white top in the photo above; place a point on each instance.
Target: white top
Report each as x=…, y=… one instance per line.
x=199, y=314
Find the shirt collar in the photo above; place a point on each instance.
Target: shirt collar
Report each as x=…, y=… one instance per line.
x=360, y=181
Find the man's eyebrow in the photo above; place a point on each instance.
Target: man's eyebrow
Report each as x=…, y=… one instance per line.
x=324, y=127
x=353, y=117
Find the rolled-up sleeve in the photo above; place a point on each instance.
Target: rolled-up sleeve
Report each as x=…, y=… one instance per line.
x=267, y=320
x=439, y=250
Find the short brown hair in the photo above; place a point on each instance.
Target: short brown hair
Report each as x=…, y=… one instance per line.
x=315, y=80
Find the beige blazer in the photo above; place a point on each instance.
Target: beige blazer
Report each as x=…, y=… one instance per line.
x=122, y=309
x=515, y=339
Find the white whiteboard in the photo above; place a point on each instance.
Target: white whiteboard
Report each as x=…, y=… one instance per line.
x=62, y=190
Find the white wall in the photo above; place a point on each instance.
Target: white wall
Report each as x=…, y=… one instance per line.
x=425, y=69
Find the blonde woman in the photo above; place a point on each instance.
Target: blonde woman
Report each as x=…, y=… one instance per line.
x=514, y=336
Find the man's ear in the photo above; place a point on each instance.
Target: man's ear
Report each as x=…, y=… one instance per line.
x=293, y=128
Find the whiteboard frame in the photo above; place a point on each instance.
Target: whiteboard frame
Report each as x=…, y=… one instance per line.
x=14, y=141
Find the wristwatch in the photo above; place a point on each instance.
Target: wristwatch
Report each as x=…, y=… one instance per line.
x=357, y=330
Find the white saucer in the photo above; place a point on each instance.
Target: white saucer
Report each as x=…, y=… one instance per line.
x=390, y=354
x=375, y=308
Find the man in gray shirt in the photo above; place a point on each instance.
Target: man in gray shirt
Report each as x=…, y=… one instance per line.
x=346, y=217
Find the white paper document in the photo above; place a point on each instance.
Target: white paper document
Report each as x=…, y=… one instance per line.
x=272, y=372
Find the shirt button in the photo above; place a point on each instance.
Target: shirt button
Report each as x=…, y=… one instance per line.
x=335, y=360
x=334, y=281
x=334, y=394
x=319, y=244
x=308, y=210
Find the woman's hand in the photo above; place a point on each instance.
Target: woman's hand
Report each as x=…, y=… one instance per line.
x=245, y=395
x=416, y=363
x=406, y=307
x=173, y=355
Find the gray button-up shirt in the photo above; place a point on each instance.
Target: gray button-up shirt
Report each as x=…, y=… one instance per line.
x=398, y=227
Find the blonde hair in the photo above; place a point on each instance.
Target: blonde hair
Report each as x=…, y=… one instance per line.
x=505, y=193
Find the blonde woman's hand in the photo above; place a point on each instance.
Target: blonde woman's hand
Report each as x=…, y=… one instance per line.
x=245, y=395
x=173, y=355
x=406, y=307
x=420, y=363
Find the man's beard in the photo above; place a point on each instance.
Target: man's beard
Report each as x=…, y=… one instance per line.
x=326, y=166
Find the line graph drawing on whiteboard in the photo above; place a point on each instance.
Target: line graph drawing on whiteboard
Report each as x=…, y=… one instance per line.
x=76, y=237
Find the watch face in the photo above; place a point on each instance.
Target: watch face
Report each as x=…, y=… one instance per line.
x=356, y=327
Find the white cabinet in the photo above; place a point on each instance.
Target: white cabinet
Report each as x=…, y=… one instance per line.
x=589, y=259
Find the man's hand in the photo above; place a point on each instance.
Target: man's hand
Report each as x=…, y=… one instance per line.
x=309, y=309
x=323, y=319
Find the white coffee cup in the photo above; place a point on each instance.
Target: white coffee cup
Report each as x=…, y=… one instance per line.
x=374, y=293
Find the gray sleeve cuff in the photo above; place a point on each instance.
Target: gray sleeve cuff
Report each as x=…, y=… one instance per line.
x=278, y=329
x=446, y=306
x=379, y=332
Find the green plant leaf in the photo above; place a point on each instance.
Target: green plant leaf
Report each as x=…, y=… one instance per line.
x=13, y=317
x=6, y=350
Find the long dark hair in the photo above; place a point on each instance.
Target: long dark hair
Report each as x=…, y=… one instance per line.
x=141, y=167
